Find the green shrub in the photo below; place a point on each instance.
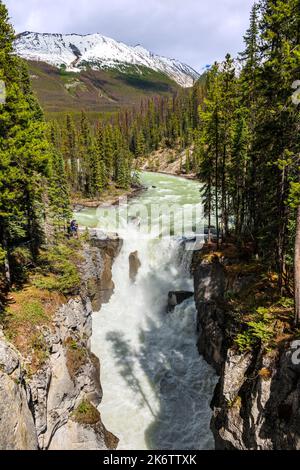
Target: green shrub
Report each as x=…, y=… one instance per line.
x=263, y=313
x=33, y=311
x=286, y=302
x=86, y=413
x=259, y=331
x=244, y=341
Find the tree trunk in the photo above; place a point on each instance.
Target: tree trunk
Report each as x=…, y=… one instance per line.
x=224, y=217
x=237, y=214
x=3, y=241
x=209, y=215
x=7, y=271
x=282, y=232
x=217, y=177
x=297, y=269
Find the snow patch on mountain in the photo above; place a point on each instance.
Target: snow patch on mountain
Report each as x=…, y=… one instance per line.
x=95, y=51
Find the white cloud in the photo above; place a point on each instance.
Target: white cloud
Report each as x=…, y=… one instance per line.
x=194, y=31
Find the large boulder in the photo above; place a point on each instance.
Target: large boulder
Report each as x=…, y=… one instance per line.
x=134, y=265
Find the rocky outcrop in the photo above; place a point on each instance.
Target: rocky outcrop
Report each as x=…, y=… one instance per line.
x=256, y=402
x=75, y=436
x=176, y=298
x=17, y=429
x=256, y=405
x=209, y=285
x=99, y=255
x=69, y=376
x=39, y=411
x=134, y=265
x=168, y=161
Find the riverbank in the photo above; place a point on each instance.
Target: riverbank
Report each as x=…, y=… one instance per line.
x=109, y=198
x=191, y=177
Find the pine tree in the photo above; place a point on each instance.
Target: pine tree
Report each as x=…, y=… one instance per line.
x=102, y=178
x=238, y=171
x=24, y=153
x=210, y=117
x=276, y=125
x=108, y=150
x=140, y=145
x=85, y=155
x=250, y=59
x=187, y=162
x=71, y=152
x=227, y=115
x=58, y=192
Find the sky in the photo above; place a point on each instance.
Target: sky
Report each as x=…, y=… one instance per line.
x=197, y=32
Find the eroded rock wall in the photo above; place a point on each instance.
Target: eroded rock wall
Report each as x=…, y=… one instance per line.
x=38, y=411
x=17, y=428
x=256, y=404
x=99, y=255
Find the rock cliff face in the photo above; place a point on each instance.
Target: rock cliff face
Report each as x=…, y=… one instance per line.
x=99, y=256
x=209, y=285
x=51, y=408
x=17, y=429
x=256, y=402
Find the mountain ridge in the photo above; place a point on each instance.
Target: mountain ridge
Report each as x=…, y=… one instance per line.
x=79, y=52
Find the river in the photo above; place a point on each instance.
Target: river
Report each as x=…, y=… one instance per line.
x=156, y=387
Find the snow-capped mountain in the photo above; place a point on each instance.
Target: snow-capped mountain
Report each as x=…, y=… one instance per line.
x=77, y=52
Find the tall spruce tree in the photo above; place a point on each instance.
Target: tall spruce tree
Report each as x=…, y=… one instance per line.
x=24, y=154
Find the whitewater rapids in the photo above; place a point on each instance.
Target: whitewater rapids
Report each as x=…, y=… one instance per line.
x=156, y=387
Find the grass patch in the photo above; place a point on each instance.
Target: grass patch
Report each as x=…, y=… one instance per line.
x=27, y=312
x=86, y=413
x=29, y=308
x=41, y=351
x=76, y=356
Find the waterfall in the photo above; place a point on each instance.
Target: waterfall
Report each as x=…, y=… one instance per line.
x=156, y=387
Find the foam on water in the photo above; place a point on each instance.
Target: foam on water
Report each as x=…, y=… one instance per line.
x=156, y=387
